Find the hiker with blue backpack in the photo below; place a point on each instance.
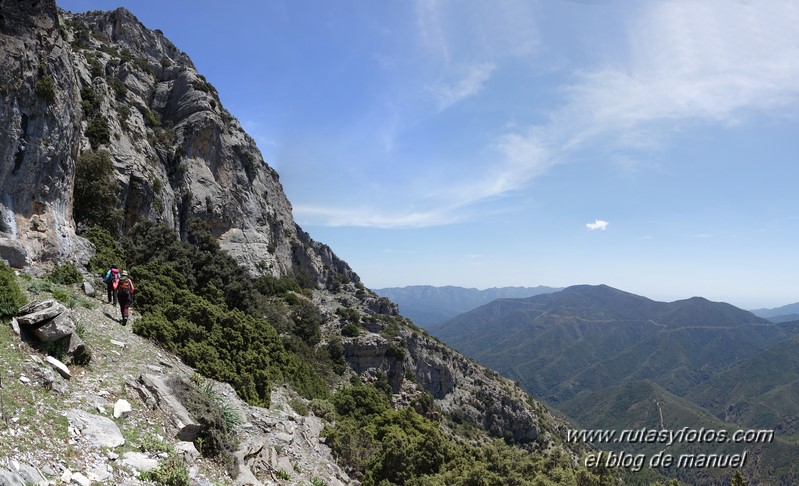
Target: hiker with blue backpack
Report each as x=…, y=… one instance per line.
x=125, y=292
x=111, y=280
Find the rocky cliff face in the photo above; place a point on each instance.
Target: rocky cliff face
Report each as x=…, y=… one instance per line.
x=39, y=135
x=101, y=80
x=415, y=364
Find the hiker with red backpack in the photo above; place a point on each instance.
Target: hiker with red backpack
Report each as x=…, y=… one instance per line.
x=111, y=280
x=125, y=292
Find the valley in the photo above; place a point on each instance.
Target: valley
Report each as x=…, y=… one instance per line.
x=614, y=361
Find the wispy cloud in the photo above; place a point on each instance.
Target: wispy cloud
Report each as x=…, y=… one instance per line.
x=688, y=63
x=371, y=218
x=598, y=224
x=466, y=87
x=683, y=63
x=464, y=45
x=709, y=62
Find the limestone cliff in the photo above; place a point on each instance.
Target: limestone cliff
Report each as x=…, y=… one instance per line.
x=101, y=80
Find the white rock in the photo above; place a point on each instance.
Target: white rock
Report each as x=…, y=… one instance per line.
x=139, y=461
x=122, y=408
x=66, y=476
x=98, y=431
x=119, y=343
x=60, y=367
x=80, y=479
x=15, y=326
x=88, y=289
x=187, y=451
x=24, y=379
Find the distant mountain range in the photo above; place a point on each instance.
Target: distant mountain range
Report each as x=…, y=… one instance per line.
x=611, y=359
x=786, y=313
x=428, y=306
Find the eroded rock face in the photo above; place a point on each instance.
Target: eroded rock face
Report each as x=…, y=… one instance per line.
x=39, y=127
x=177, y=153
x=458, y=385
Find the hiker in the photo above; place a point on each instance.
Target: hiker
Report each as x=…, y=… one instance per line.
x=125, y=292
x=111, y=280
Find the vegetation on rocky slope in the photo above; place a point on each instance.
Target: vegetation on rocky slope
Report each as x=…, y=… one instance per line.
x=199, y=303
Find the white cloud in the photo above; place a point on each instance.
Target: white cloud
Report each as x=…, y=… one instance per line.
x=688, y=62
x=370, y=218
x=464, y=45
x=466, y=87
x=598, y=224
x=684, y=63
x=708, y=62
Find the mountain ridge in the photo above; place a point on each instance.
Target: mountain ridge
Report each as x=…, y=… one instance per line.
x=428, y=306
x=587, y=349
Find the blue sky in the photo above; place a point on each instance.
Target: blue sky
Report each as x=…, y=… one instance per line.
x=651, y=146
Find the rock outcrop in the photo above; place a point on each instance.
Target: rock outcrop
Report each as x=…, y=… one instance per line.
x=414, y=363
x=48, y=323
x=102, y=81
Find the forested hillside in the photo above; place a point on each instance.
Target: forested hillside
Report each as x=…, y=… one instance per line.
x=613, y=360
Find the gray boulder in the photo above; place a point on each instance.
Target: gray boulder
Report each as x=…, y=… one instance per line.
x=98, y=432
x=56, y=328
x=8, y=478
x=42, y=315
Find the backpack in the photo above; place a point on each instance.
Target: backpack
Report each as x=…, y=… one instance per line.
x=112, y=277
x=123, y=292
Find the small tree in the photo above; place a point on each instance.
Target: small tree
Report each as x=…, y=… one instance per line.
x=11, y=297
x=95, y=198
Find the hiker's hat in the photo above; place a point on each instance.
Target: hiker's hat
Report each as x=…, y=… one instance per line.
x=114, y=266
x=124, y=273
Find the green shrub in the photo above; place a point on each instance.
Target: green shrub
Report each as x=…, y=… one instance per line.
x=307, y=322
x=360, y=402
x=198, y=302
x=95, y=196
x=65, y=274
x=96, y=68
x=45, y=85
x=351, y=330
x=90, y=100
x=153, y=118
x=170, y=472
x=11, y=297
x=97, y=132
x=120, y=89
x=323, y=409
x=109, y=252
x=218, y=438
x=269, y=285
x=66, y=297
